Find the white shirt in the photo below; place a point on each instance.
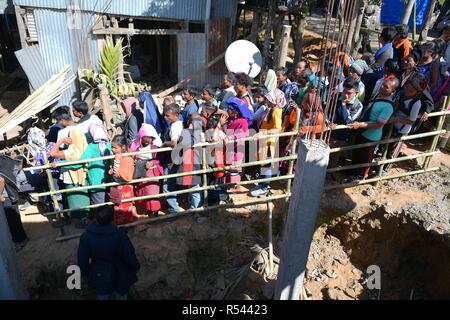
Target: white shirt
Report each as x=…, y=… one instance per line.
x=176, y=129
x=413, y=115
x=84, y=126
x=228, y=93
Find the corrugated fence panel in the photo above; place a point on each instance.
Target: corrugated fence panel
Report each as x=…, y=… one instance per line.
x=175, y=9
x=225, y=9
x=55, y=41
x=191, y=57
x=30, y=59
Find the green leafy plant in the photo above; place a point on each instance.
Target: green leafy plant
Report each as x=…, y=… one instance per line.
x=112, y=71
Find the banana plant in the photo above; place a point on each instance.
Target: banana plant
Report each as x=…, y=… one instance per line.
x=112, y=72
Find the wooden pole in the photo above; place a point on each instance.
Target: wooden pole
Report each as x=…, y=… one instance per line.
x=407, y=12
x=270, y=235
x=424, y=33
x=414, y=21
x=294, y=142
x=282, y=46
x=386, y=149
x=54, y=196
x=205, y=175
x=107, y=112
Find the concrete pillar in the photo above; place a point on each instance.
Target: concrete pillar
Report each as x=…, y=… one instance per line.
x=282, y=47
x=12, y=286
x=304, y=206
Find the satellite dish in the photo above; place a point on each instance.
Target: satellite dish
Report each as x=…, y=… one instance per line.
x=243, y=56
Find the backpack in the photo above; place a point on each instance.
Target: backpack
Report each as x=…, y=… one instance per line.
x=427, y=105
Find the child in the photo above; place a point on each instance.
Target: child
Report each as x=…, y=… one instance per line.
x=260, y=105
x=107, y=256
x=122, y=171
x=272, y=123
x=215, y=134
x=147, y=165
x=208, y=96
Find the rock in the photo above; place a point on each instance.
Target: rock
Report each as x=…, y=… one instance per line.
x=331, y=274
x=336, y=294
x=215, y=233
x=154, y=233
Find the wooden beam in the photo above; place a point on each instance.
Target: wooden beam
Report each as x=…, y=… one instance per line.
x=133, y=32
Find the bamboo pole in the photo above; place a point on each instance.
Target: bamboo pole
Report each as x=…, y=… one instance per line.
x=294, y=141
x=170, y=176
x=176, y=215
x=198, y=145
x=270, y=237
x=367, y=181
x=205, y=175
x=383, y=162
x=168, y=194
x=385, y=151
x=434, y=143
x=53, y=196
x=404, y=138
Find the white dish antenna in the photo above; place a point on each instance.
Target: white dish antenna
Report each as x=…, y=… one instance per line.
x=243, y=56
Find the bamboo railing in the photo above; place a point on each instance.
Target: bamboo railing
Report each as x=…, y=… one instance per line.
x=269, y=199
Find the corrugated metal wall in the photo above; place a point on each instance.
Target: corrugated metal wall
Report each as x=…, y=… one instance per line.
x=58, y=45
x=6, y=7
x=175, y=9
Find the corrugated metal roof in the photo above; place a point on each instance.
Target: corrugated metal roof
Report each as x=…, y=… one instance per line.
x=175, y=9
x=30, y=59
x=225, y=9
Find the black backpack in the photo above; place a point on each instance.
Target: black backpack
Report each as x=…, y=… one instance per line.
x=365, y=116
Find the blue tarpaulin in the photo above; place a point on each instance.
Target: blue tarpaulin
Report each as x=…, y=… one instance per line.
x=392, y=11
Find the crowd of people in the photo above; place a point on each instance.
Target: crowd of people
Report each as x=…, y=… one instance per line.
x=399, y=85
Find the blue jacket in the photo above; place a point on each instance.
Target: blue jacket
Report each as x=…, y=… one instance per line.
x=113, y=263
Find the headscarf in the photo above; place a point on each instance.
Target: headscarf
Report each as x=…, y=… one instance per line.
x=99, y=135
x=74, y=153
x=271, y=80
x=129, y=104
x=146, y=130
x=36, y=140
x=240, y=107
x=276, y=97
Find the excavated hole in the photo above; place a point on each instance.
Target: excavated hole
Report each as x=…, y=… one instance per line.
x=414, y=263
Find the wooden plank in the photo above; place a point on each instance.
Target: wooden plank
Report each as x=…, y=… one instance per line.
x=133, y=32
x=218, y=42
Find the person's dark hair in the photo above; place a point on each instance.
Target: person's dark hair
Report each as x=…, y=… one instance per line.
x=243, y=79
x=23, y=160
x=104, y=215
x=351, y=84
x=190, y=91
x=121, y=140
x=306, y=61
x=173, y=108
x=429, y=47
x=210, y=91
x=388, y=34
x=416, y=55
x=261, y=90
x=306, y=73
x=62, y=113
x=282, y=71
x=231, y=77
x=392, y=66
x=81, y=106
x=213, y=122
x=440, y=46
x=209, y=106
x=402, y=31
